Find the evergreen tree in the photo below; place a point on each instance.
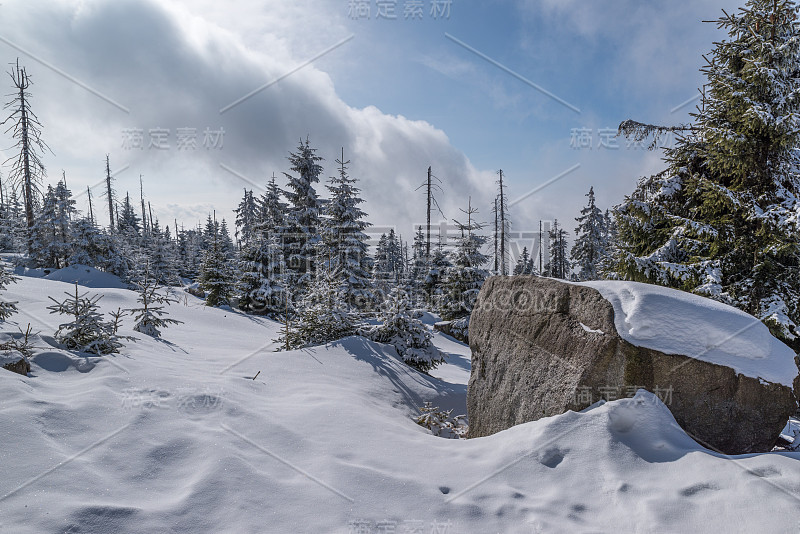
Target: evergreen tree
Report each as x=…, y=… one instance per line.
x=162, y=256
x=52, y=239
x=64, y=213
x=14, y=227
x=87, y=243
x=323, y=316
x=224, y=241
x=401, y=328
x=524, y=263
x=128, y=223
x=6, y=226
x=210, y=232
x=344, y=243
x=418, y=269
x=262, y=282
x=271, y=210
x=720, y=219
x=435, y=277
x=216, y=276
x=591, y=240
x=7, y=308
x=45, y=246
x=190, y=252
x=303, y=217
x=87, y=331
x=381, y=262
x=558, y=266
x=463, y=280
x=388, y=266
x=246, y=218
x=149, y=316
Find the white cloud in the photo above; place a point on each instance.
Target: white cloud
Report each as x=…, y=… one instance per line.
x=174, y=69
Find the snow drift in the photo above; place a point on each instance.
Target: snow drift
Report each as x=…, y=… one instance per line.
x=177, y=436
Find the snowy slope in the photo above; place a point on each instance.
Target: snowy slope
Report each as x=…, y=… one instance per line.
x=86, y=276
x=674, y=321
x=176, y=436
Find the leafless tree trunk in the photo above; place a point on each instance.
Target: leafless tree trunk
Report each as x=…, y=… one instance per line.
x=110, y=195
x=27, y=169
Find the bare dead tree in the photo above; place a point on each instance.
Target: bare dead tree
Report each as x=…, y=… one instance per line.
x=27, y=169
x=503, y=210
x=145, y=228
x=430, y=188
x=496, y=235
x=110, y=195
x=541, y=247
x=471, y=224
x=91, y=211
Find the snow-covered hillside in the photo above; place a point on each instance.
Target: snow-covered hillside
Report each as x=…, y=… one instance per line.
x=177, y=436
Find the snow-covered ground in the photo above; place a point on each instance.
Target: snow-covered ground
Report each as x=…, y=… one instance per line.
x=178, y=436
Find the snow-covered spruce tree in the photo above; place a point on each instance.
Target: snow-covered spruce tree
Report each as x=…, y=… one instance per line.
x=262, y=284
x=246, y=218
x=87, y=331
x=303, y=218
x=262, y=272
x=210, y=231
x=380, y=278
x=7, y=308
x=190, y=252
x=87, y=243
x=128, y=223
x=343, y=249
x=225, y=242
x=152, y=299
x=216, y=233
x=435, y=277
x=524, y=263
x=216, y=276
x=388, y=266
x=65, y=212
x=721, y=219
x=162, y=256
x=419, y=262
x=323, y=316
x=463, y=280
x=607, y=261
x=558, y=266
x=44, y=244
x=590, y=242
x=125, y=243
x=14, y=227
x=52, y=239
x=6, y=223
x=403, y=330
x=271, y=215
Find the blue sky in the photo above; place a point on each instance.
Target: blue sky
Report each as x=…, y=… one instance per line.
x=399, y=95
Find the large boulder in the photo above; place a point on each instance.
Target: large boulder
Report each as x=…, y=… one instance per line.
x=541, y=347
